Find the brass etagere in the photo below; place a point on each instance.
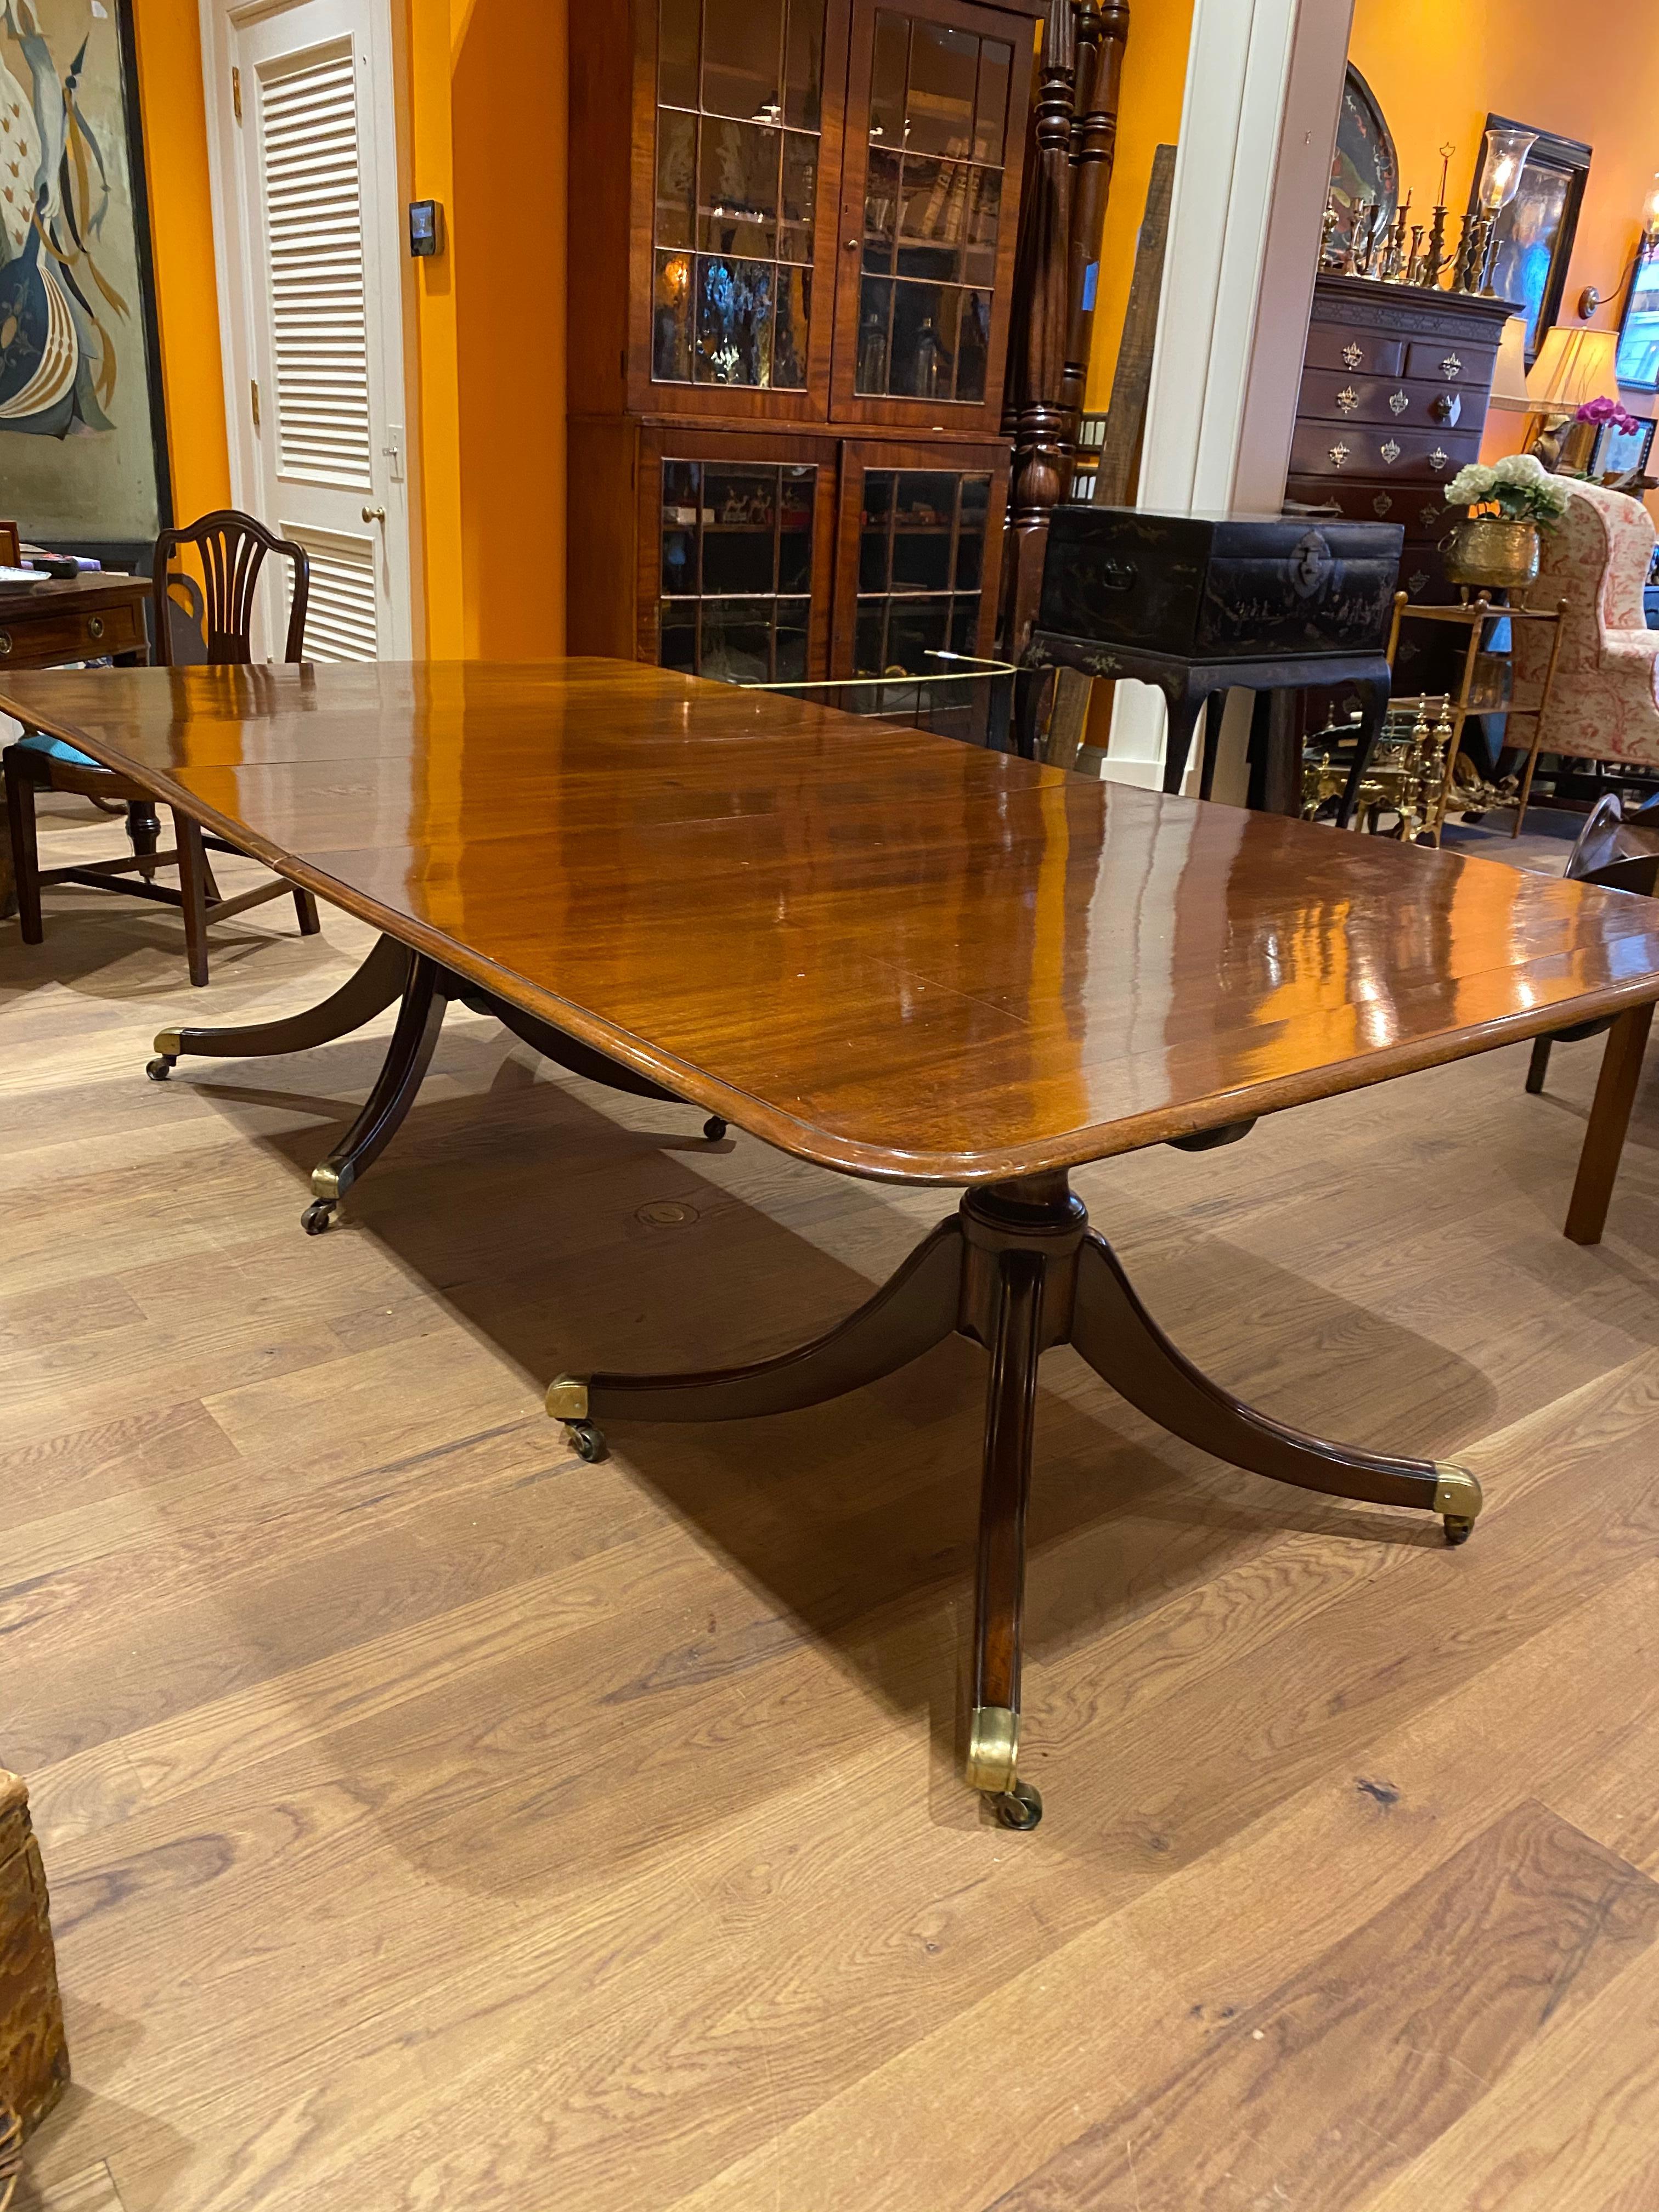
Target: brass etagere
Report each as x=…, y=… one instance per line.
x=1473, y=614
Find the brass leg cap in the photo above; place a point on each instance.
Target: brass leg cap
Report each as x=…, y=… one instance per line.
x=567, y=1398
x=994, y=1749
x=169, y=1043
x=1456, y=1493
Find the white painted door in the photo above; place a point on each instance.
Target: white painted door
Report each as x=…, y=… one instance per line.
x=310, y=230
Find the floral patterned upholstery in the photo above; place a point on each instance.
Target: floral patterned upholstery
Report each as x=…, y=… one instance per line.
x=1605, y=704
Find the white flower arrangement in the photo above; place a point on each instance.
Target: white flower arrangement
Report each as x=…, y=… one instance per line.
x=1519, y=486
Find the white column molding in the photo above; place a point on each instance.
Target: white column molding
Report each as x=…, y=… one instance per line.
x=1258, y=123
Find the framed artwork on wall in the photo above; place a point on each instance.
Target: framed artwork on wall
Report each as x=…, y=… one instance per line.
x=1364, y=167
x=83, y=458
x=1534, y=233
x=1636, y=362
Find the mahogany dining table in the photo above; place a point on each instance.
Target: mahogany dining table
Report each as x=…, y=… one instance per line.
x=891, y=954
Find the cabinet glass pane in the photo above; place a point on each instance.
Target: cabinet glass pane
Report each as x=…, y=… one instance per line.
x=738, y=189
x=890, y=61
x=678, y=24
x=944, y=68
x=803, y=69
x=670, y=318
x=676, y=178
x=736, y=569
x=737, y=193
x=996, y=64
x=742, y=58
x=939, y=128
x=800, y=196
x=921, y=558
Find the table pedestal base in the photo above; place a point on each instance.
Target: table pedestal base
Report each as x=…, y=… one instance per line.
x=1017, y=1269
x=423, y=988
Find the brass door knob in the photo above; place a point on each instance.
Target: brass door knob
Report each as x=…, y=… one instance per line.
x=374, y=514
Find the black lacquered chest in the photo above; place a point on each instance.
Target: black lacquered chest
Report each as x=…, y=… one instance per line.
x=1219, y=588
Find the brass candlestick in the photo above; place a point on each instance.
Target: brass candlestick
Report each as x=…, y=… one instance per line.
x=1434, y=260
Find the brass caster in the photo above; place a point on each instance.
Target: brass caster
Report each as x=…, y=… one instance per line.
x=713, y=1128
x=992, y=1749
x=1457, y=1500
x=588, y=1440
x=160, y=1068
x=1018, y=1808
x=317, y=1216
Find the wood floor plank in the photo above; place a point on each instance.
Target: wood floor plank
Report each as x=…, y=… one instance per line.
x=1334, y=2083
x=1140, y=1992
x=1573, y=2127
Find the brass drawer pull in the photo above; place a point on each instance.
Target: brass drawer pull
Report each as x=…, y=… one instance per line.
x=96, y=626
x=5, y=642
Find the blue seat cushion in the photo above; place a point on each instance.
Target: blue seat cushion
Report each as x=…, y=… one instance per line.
x=35, y=743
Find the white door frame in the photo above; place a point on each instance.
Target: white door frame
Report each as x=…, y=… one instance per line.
x=233, y=278
x=1258, y=124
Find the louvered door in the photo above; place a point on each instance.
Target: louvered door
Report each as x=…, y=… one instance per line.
x=316, y=178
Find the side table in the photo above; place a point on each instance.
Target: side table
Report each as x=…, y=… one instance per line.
x=1189, y=685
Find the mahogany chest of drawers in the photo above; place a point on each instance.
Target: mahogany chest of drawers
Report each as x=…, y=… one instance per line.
x=1394, y=387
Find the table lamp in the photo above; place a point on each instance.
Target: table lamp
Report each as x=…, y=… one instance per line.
x=1573, y=366
x=1509, y=377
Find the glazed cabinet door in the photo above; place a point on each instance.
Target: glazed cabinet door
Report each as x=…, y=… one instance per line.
x=737, y=131
x=937, y=92
x=737, y=553
x=917, y=548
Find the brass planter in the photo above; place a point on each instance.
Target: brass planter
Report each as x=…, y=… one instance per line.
x=1490, y=551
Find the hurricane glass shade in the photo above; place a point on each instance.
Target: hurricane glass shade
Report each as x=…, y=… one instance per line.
x=1573, y=366
x=1509, y=377
x=1501, y=166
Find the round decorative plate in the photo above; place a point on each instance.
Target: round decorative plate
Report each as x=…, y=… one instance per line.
x=1366, y=167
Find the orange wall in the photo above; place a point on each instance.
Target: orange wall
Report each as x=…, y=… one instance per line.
x=1437, y=70
x=486, y=136
x=171, y=98
x=489, y=113
x=1149, y=115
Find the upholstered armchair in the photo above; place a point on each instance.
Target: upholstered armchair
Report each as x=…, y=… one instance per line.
x=1605, y=703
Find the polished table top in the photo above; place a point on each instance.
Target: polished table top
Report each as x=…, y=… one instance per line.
x=889, y=953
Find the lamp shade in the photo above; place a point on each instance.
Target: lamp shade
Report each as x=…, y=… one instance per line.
x=1509, y=377
x=1572, y=367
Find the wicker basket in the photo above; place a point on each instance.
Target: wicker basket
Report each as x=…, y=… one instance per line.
x=34, y=2058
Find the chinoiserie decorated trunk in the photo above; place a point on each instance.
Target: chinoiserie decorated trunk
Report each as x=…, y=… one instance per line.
x=1220, y=587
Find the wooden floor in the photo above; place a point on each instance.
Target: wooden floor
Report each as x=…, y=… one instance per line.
x=436, y=1821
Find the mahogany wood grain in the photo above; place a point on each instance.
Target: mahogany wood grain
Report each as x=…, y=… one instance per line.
x=883, y=952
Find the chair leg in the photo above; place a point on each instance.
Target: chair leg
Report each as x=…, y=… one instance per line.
x=306, y=907
x=1538, y=1073
x=192, y=891
x=1604, y=1140
x=144, y=834
x=24, y=852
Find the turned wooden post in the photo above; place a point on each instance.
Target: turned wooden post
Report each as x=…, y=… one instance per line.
x=1102, y=32
x=1037, y=369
